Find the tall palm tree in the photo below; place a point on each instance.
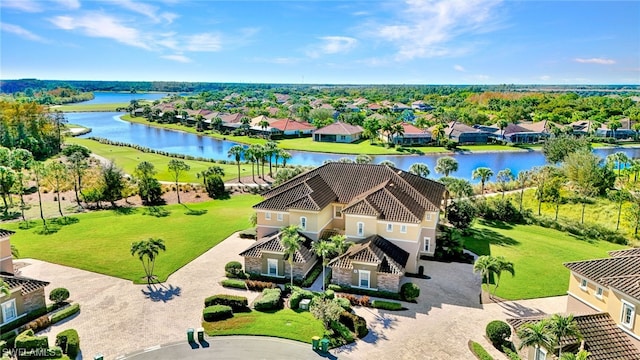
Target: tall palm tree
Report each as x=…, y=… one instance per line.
x=250, y=155
x=323, y=249
x=523, y=177
x=420, y=169
x=176, y=168
x=236, y=152
x=38, y=171
x=501, y=264
x=537, y=334
x=504, y=177
x=446, y=165
x=147, y=251
x=264, y=124
x=438, y=133
x=482, y=173
x=291, y=241
x=270, y=149
x=340, y=243
x=286, y=156
x=21, y=160
x=485, y=265
x=563, y=326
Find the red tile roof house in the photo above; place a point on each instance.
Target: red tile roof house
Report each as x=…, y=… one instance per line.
x=390, y=214
x=290, y=127
x=412, y=136
x=338, y=132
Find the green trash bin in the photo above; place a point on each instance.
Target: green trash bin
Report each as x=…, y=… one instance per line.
x=200, y=334
x=315, y=342
x=324, y=344
x=190, y=335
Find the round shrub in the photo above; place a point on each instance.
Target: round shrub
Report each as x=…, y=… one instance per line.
x=59, y=295
x=410, y=291
x=329, y=294
x=233, y=269
x=498, y=332
x=217, y=312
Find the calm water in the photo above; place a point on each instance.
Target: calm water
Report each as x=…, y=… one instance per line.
x=117, y=97
x=108, y=125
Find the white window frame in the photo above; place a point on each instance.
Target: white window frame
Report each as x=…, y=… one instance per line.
x=599, y=292
x=267, y=215
x=428, y=216
x=427, y=244
x=280, y=217
x=540, y=351
x=583, y=284
x=389, y=227
x=270, y=263
x=632, y=316
x=337, y=212
x=360, y=228
x=368, y=278
x=6, y=306
x=403, y=229
x=303, y=223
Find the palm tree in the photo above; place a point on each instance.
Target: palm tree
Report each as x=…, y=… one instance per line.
x=291, y=241
x=216, y=122
x=363, y=159
x=420, y=169
x=285, y=155
x=38, y=173
x=340, y=243
x=504, y=177
x=147, y=251
x=523, y=177
x=561, y=327
x=537, y=334
x=438, y=133
x=270, y=149
x=501, y=264
x=57, y=176
x=387, y=163
x=21, y=160
x=485, y=265
x=250, y=155
x=446, y=165
x=246, y=123
x=7, y=181
x=236, y=151
x=176, y=168
x=484, y=174
x=580, y=355
x=502, y=124
x=323, y=249
x=613, y=126
x=264, y=124
x=77, y=166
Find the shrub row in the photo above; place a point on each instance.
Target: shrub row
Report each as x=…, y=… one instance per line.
x=28, y=341
x=386, y=305
x=237, y=303
x=38, y=324
x=65, y=313
x=358, y=291
x=297, y=295
x=311, y=275
x=344, y=303
x=217, y=313
x=264, y=278
x=356, y=300
x=69, y=342
x=271, y=299
x=343, y=330
x=23, y=320
x=479, y=351
x=257, y=285
x=355, y=323
x=234, y=283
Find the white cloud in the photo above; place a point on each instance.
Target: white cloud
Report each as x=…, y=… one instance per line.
x=427, y=28
x=20, y=31
x=203, y=42
x=177, y=57
x=277, y=60
x=69, y=4
x=600, y=61
x=333, y=45
x=147, y=10
x=102, y=26
x=545, y=78
x=360, y=13
x=22, y=5
x=459, y=68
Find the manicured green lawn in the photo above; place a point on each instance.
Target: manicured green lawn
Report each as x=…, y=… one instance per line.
x=285, y=323
x=128, y=158
x=90, y=107
x=101, y=240
x=537, y=253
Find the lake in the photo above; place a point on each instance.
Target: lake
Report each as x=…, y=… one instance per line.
x=102, y=97
x=108, y=125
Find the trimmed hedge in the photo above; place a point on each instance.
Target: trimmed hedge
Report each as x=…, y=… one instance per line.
x=234, y=283
x=234, y=269
x=59, y=295
x=65, y=313
x=217, y=313
x=344, y=331
x=237, y=303
x=312, y=275
x=28, y=341
x=269, y=300
x=344, y=303
x=386, y=305
x=69, y=342
x=38, y=324
x=23, y=320
x=355, y=323
x=257, y=285
x=358, y=291
x=410, y=291
x=498, y=332
x=479, y=351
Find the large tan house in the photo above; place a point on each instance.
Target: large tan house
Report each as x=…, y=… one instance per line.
x=390, y=214
x=610, y=285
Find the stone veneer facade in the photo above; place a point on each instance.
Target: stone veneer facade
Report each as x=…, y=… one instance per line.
x=34, y=300
x=254, y=265
x=386, y=282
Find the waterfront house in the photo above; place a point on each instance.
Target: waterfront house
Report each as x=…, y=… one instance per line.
x=464, y=134
x=338, y=132
x=412, y=135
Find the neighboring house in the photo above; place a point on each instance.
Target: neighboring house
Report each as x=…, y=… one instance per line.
x=519, y=134
x=600, y=337
x=338, y=132
x=464, y=134
x=420, y=105
x=267, y=257
x=610, y=285
x=291, y=127
x=25, y=295
x=359, y=201
x=231, y=121
x=282, y=98
x=624, y=132
x=400, y=107
x=412, y=135
x=581, y=127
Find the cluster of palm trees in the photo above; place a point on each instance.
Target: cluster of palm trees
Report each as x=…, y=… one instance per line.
x=147, y=251
x=326, y=249
x=259, y=155
x=493, y=266
x=549, y=333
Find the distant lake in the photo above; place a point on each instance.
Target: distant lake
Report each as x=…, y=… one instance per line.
x=102, y=97
x=109, y=126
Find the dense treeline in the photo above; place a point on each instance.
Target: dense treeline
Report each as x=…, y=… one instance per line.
x=31, y=127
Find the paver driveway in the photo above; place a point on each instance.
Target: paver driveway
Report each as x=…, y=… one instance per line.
x=118, y=317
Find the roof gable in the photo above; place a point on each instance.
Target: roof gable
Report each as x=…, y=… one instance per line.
x=374, y=250
x=339, y=128
x=274, y=244
x=26, y=285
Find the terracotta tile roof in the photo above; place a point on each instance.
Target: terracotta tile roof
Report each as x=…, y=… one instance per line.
x=625, y=252
x=5, y=233
x=339, y=128
x=273, y=243
x=540, y=126
x=367, y=189
x=412, y=129
x=629, y=284
x=374, y=250
x=26, y=285
x=598, y=269
x=231, y=118
x=602, y=337
x=289, y=124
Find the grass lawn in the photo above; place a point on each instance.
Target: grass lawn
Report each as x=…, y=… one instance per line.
x=285, y=323
x=128, y=158
x=537, y=253
x=96, y=244
x=89, y=107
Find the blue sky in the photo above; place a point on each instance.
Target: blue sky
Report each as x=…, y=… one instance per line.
x=338, y=42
